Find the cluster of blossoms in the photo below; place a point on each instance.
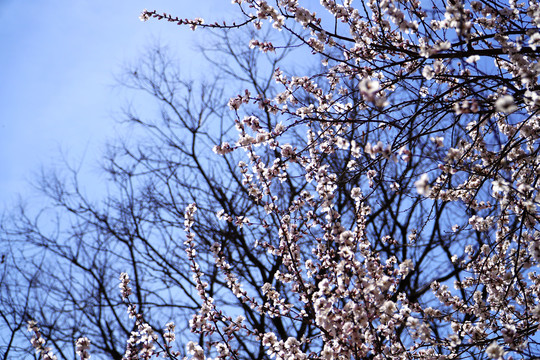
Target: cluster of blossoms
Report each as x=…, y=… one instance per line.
x=354, y=297
x=46, y=353
x=444, y=104
x=142, y=343
x=82, y=346
x=38, y=342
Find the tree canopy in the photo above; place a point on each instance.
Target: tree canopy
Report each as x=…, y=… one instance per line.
x=381, y=204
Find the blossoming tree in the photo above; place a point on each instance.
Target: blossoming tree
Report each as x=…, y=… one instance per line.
x=402, y=222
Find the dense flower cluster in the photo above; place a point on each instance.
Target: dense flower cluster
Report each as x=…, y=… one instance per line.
x=82, y=347
x=38, y=342
x=471, y=60
x=46, y=353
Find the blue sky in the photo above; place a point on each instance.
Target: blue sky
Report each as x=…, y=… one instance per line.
x=58, y=62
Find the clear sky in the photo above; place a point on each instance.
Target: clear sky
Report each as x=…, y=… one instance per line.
x=57, y=64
